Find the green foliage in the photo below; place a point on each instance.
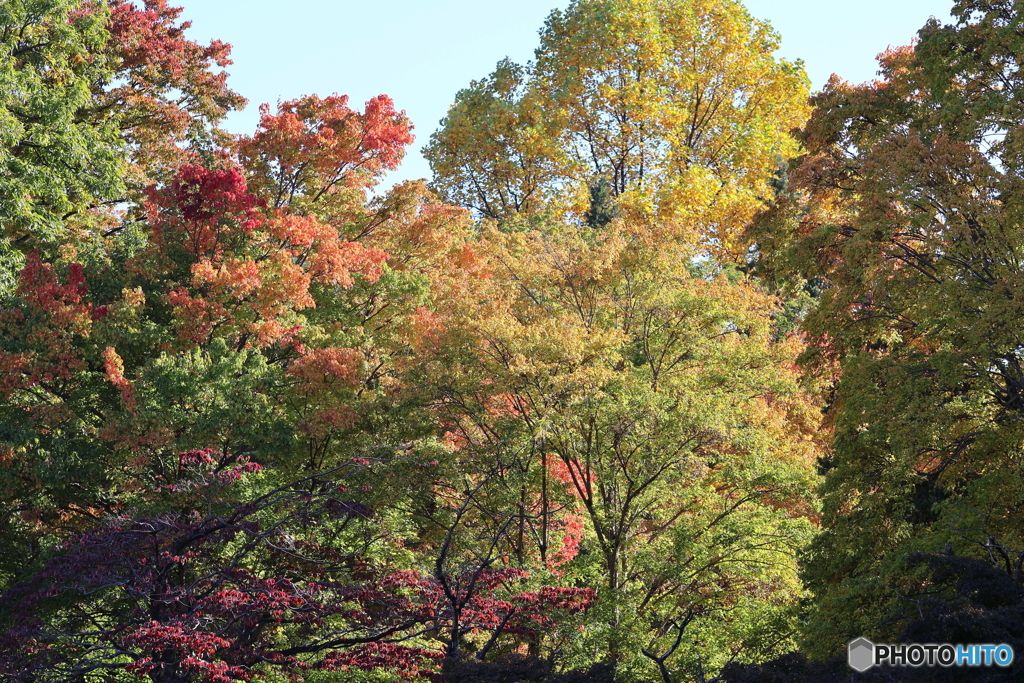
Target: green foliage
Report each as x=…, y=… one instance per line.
x=601, y=212
x=652, y=406
x=214, y=397
x=907, y=209
x=54, y=157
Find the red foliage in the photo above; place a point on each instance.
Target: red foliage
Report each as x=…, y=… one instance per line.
x=166, y=82
x=315, y=147
x=203, y=211
x=52, y=315
x=319, y=369
x=404, y=661
x=250, y=268
x=149, y=39
x=205, y=596
x=114, y=368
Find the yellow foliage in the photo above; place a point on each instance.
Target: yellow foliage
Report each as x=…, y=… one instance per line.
x=679, y=105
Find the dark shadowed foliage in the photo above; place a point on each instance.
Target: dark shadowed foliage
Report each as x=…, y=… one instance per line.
x=968, y=601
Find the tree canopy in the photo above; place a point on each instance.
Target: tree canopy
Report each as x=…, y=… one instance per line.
x=669, y=374
x=679, y=105
x=905, y=209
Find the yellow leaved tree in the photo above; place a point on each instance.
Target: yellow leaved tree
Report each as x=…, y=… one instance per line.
x=652, y=434
x=676, y=110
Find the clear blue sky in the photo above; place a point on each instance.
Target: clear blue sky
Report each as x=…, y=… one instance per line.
x=421, y=52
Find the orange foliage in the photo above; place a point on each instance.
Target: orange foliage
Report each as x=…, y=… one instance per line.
x=53, y=315
x=318, y=146
x=326, y=368
x=251, y=267
x=114, y=367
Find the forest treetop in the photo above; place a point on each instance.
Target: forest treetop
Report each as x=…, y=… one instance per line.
x=677, y=110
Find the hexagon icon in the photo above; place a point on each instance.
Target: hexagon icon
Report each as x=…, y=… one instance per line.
x=861, y=654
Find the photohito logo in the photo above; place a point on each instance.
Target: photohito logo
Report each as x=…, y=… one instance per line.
x=862, y=654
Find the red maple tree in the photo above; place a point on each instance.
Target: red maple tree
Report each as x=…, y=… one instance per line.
x=219, y=587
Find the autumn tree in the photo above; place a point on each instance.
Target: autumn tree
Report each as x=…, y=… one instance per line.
x=100, y=100
x=227, y=584
x=258, y=324
x=658, y=126
x=260, y=321
x=168, y=93
x=255, y=416
x=255, y=311
x=679, y=105
x=598, y=353
x=905, y=210
x=649, y=409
